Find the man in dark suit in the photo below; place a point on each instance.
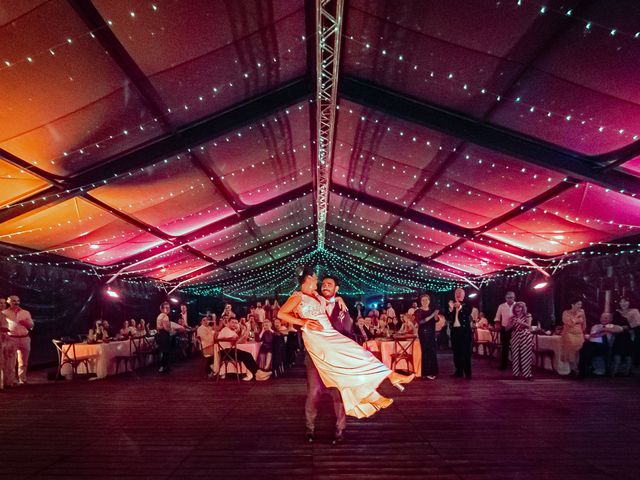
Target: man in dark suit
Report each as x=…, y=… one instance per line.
x=459, y=318
x=341, y=321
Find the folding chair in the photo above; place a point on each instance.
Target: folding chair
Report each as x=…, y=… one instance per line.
x=67, y=356
x=228, y=355
x=496, y=344
x=403, y=351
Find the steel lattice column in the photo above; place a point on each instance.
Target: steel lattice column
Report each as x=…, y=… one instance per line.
x=328, y=40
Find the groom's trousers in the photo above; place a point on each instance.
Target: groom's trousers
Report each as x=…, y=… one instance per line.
x=315, y=389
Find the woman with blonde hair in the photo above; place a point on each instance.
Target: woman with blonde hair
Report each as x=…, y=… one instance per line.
x=574, y=322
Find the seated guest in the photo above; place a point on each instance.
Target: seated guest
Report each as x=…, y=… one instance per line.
x=482, y=321
x=107, y=328
x=100, y=332
x=599, y=345
x=232, y=331
x=394, y=324
x=206, y=336
x=124, y=331
x=361, y=332
x=133, y=328
x=381, y=329
x=409, y=326
x=143, y=328
x=266, y=337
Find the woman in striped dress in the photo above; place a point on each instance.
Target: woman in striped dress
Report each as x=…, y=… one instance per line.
x=521, y=342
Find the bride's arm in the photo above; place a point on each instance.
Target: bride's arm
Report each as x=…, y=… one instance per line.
x=285, y=314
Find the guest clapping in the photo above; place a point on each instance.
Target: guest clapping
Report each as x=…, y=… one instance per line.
x=521, y=341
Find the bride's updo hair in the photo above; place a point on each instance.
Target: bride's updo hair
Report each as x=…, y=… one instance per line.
x=302, y=272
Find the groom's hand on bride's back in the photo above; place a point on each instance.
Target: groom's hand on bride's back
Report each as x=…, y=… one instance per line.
x=313, y=325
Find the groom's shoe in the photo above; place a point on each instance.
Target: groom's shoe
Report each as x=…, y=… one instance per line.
x=338, y=437
x=310, y=436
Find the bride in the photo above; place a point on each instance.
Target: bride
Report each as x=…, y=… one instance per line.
x=341, y=362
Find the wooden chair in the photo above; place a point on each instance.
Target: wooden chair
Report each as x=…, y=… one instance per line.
x=132, y=356
x=541, y=354
x=403, y=351
x=147, y=347
x=477, y=343
x=228, y=355
x=278, y=354
x=67, y=356
x=495, y=347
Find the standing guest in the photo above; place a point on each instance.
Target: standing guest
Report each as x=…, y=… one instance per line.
x=622, y=350
x=163, y=336
x=7, y=357
x=574, y=322
x=632, y=317
x=260, y=313
x=521, y=341
x=426, y=318
x=274, y=310
x=391, y=313
x=184, y=316
x=19, y=323
x=503, y=315
x=279, y=328
x=232, y=332
x=413, y=308
x=228, y=311
x=206, y=337
x=459, y=318
x=268, y=310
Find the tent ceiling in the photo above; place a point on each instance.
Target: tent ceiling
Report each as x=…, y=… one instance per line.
x=176, y=140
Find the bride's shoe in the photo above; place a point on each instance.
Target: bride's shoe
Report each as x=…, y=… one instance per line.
x=398, y=380
x=382, y=403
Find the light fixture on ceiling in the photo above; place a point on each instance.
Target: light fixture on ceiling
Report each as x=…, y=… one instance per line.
x=473, y=295
x=112, y=293
x=174, y=300
x=540, y=285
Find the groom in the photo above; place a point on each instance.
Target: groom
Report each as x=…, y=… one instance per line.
x=341, y=321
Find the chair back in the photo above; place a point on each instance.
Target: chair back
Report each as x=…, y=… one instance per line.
x=403, y=347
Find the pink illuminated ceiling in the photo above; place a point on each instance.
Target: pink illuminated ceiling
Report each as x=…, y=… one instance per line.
x=177, y=140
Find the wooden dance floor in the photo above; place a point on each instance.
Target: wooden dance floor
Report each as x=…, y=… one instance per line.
x=142, y=425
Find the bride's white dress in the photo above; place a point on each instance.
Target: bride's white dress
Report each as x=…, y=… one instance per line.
x=341, y=362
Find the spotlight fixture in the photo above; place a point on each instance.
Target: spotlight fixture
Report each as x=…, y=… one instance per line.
x=174, y=300
x=473, y=295
x=540, y=285
x=113, y=294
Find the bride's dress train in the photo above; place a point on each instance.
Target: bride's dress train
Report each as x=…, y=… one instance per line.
x=341, y=362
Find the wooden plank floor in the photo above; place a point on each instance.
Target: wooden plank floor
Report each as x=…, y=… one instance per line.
x=489, y=428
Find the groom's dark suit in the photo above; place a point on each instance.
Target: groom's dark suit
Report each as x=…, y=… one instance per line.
x=341, y=321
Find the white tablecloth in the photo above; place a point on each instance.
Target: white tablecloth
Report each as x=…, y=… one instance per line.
x=252, y=347
x=385, y=347
x=484, y=335
x=105, y=361
x=554, y=342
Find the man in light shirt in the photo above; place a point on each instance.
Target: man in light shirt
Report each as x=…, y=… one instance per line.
x=19, y=322
x=232, y=332
x=502, y=321
x=206, y=335
x=599, y=344
x=260, y=313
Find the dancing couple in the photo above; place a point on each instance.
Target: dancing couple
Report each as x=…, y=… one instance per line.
x=340, y=362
